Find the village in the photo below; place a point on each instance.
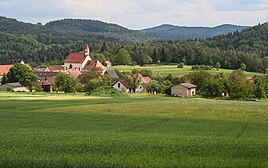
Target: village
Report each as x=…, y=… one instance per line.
x=78, y=63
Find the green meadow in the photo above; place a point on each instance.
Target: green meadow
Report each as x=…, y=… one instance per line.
x=172, y=69
x=73, y=130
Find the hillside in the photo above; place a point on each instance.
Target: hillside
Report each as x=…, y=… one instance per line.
x=73, y=30
x=185, y=33
x=251, y=40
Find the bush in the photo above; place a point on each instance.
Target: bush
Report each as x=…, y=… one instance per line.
x=181, y=65
x=202, y=67
x=107, y=91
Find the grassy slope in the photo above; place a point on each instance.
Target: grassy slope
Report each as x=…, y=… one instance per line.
x=46, y=130
x=172, y=69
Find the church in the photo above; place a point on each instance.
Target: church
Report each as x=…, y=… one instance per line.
x=77, y=60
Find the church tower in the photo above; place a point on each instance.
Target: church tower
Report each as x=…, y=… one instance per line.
x=87, y=51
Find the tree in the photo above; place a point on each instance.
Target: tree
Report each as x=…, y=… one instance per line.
x=4, y=79
x=243, y=66
x=122, y=58
x=93, y=79
x=153, y=87
x=66, y=83
x=133, y=82
x=259, y=90
x=22, y=74
x=104, y=47
x=181, y=65
x=218, y=66
x=238, y=85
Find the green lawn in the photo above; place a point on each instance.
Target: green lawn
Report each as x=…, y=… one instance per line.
x=56, y=130
x=172, y=69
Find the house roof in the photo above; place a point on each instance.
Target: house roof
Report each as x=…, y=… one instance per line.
x=94, y=64
x=188, y=85
x=108, y=62
x=17, y=84
x=123, y=82
x=56, y=68
x=75, y=58
x=39, y=69
x=112, y=74
x=4, y=69
x=146, y=80
x=74, y=72
x=46, y=74
x=46, y=81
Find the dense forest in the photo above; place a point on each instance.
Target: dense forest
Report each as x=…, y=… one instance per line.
x=184, y=33
x=51, y=43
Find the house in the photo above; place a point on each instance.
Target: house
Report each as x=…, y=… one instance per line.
x=112, y=75
x=122, y=84
x=74, y=73
x=77, y=60
x=15, y=87
x=94, y=64
x=184, y=90
x=39, y=69
x=4, y=69
x=108, y=64
x=54, y=68
x=46, y=83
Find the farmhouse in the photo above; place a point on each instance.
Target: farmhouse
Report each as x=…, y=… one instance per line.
x=122, y=84
x=184, y=90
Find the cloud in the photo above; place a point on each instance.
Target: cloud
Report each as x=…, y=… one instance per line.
x=141, y=13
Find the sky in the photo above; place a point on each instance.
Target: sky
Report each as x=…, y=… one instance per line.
x=138, y=14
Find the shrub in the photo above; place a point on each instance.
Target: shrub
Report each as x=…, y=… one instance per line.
x=181, y=65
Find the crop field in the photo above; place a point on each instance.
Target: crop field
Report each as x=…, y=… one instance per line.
x=57, y=130
x=172, y=69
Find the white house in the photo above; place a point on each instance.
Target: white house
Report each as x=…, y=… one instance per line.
x=122, y=84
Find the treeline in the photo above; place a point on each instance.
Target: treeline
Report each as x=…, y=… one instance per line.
x=250, y=40
x=30, y=50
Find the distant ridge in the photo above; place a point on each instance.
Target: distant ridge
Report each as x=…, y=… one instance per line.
x=168, y=31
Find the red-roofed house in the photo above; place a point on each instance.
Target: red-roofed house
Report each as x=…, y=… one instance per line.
x=94, y=64
x=54, y=68
x=77, y=60
x=4, y=69
x=74, y=73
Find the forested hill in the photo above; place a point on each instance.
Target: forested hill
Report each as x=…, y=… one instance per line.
x=73, y=30
x=185, y=33
x=87, y=26
x=250, y=40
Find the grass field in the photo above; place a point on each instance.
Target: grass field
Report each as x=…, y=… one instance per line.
x=51, y=130
x=172, y=69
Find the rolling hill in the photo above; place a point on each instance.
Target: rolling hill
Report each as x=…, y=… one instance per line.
x=184, y=33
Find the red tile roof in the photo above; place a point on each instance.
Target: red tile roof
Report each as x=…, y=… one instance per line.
x=75, y=58
x=94, y=64
x=56, y=68
x=74, y=72
x=4, y=69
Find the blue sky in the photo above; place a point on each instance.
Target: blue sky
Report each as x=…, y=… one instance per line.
x=137, y=14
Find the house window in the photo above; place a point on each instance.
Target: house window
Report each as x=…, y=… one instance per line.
x=118, y=85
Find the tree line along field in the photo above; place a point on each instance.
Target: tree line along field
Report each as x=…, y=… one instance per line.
x=173, y=70
x=72, y=130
